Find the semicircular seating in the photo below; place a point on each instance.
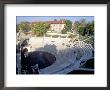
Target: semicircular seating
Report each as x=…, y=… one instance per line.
x=68, y=67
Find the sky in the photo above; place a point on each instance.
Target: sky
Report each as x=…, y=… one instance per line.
x=51, y=18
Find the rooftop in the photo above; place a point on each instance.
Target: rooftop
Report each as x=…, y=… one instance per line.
x=51, y=22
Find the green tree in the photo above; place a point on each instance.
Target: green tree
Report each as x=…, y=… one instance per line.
x=39, y=28
x=24, y=26
x=75, y=26
x=17, y=28
x=67, y=27
x=84, y=28
x=90, y=28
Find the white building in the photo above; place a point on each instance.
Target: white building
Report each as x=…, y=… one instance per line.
x=57, y=26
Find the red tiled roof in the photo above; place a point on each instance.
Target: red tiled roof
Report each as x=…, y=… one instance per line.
x=56, y=22
x=52, y=22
